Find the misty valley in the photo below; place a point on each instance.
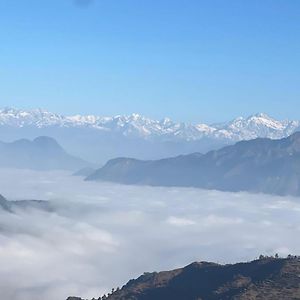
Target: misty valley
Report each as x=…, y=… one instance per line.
x=89, y=236
x=149, y=150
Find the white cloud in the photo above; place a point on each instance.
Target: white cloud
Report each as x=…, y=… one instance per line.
x=179, y=221
x=103, y=234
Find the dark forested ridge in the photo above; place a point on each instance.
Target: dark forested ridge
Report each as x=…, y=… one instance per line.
x=260, y=165
x=266, y=278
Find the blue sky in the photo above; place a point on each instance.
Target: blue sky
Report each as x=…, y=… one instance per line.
x=190, y=60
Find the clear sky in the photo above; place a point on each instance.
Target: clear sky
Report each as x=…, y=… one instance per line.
x=191, y=60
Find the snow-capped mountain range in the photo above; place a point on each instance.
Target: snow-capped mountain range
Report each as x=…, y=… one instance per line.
x=137, y=126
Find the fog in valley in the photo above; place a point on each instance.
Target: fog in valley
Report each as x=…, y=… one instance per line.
x=99, y=235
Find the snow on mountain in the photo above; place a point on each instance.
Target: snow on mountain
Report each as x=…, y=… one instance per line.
x=259, y=125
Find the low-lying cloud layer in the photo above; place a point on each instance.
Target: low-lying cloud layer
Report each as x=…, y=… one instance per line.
x=103, y=234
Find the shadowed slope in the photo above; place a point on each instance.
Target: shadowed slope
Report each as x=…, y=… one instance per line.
x=267, y=279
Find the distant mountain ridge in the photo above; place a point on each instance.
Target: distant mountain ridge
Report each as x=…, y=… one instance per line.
x=135, y=125
x=98, y=139
x=265, y=279
x=260, y=165
x=43, y=153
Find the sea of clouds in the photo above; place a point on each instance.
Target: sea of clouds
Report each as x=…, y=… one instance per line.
x=100, y=235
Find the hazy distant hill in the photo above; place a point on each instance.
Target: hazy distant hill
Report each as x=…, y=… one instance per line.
x=43, y=153
x=100, y=138
x=260, y=165
x=84, y=172
x=265, y=279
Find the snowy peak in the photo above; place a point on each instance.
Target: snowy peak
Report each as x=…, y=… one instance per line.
x=260, y=125
x=260, y=119
x=137, y=126
x=36, y=117
x=266, y=121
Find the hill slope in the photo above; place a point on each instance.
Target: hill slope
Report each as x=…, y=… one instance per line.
x=266, y=279
x=260, y=165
